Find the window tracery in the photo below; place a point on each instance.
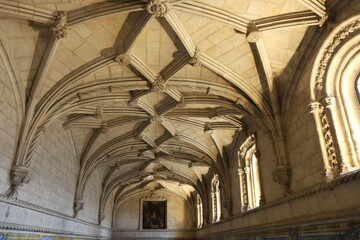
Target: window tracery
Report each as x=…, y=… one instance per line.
x=249, y=177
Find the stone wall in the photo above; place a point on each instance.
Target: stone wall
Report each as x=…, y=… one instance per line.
x=180, y=219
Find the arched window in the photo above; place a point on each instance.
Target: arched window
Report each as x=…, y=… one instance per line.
x=357, y=87
x=334, y=103
x=199, y=206
x=215, y=198
x=249, y=177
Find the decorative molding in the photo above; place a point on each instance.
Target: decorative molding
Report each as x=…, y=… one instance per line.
x=123, y=59
x=158, y=7
x=331, y=48
x=61, y=26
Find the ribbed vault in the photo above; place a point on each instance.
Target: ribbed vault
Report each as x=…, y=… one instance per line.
x=156, y=93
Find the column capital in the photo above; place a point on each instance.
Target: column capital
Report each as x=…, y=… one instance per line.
x=19, y=175
x=315, y=107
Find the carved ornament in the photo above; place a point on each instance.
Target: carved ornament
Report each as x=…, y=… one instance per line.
x=158, y=7
x=330, y=49
x=61, y=26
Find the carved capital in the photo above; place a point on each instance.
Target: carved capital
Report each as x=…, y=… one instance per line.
x=19, y=175
x=195, y=60
x=78, y=206
x=315, y=107
x=253, y=33
x=158, y=7
x=123, y=59
x=281, y=176
x=329, y=102
x=61, y=26
x=159, y=85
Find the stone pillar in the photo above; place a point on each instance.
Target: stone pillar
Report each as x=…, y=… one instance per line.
x=316, y=109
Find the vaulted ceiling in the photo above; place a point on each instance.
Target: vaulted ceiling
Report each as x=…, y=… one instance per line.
x=156, y=93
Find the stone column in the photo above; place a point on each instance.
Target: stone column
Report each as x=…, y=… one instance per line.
x=316, y=109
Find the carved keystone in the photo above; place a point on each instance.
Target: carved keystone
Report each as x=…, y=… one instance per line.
x=159, y=85
x=158, y=7
x=61, y=26
x=123, y=59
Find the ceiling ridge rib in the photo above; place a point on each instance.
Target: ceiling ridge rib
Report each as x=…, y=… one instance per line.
x=142, y=68
x=305, y=18
x=102, y=9
x=27, y=12
x=238, y=22
x=318, y=7
x=139, y=28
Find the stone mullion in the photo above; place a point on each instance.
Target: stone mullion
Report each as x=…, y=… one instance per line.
x=317, y=111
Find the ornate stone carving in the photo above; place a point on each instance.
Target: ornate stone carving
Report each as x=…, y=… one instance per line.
x=329, y=144
x=159, y=85
x=158, y=7
x=253, y=33
x=61, y=26
x=78, y=206
x=195, y=60
x=246, y=145
x=315, y=107
x=281, y=176
x=123, y=59
x=19, y=175
x=330, y=49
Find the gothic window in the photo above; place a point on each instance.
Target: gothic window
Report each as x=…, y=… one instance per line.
x=249, y=175
x=357, y=87
x=215, y=198
x=335, y=104
x=200, y=218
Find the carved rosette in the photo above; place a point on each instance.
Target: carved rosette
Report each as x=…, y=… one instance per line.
x=281, y=176
x=156, y=119
x=78, y=206
x=19, y=175
x=159, y=85
x=253, y=33
x=123, y=59
x=61, y=26
x=158, y=7
x=195, y=60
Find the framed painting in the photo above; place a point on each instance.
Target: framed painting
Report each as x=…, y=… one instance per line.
x=154, y=215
